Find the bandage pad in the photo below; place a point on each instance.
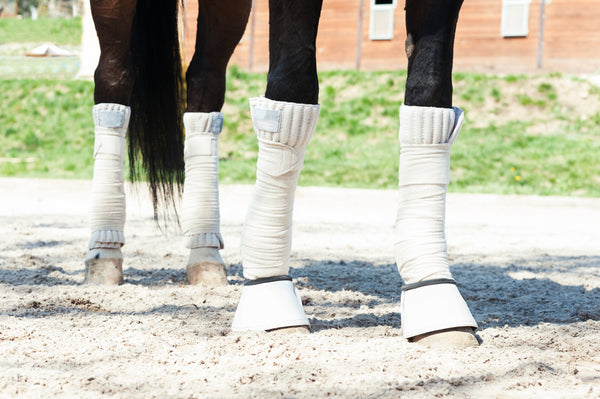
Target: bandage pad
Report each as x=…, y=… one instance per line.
x=283, y=130
x=426, y=134
x=200, y=207
x=107, y=211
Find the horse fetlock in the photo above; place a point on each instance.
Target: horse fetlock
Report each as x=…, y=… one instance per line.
x=200, y=207
x=104, y=266
x=107, y=211
x=426, y=135
x=205, y=266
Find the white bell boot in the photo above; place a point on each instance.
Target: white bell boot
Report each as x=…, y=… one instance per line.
x=104, y=262
x=200, y=205
x=268, y=304
x=430, y=299
x=283, y=130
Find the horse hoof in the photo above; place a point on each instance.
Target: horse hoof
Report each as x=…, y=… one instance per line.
x=104, y=266
x=455, y=338
x=206, y=266
x=290, y=330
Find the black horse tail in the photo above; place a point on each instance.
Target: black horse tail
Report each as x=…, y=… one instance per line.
x=157, y=102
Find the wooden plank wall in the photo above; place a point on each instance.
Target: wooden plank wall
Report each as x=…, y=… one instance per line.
x=337, y=37
x=479, y=44
x=571, y=38
x=190, y=15
x=384, y=54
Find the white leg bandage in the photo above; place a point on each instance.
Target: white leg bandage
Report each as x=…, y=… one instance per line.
x=426, y=135
x=270, y=301
x=283, y=130
x=200, y=207
x=107, y=213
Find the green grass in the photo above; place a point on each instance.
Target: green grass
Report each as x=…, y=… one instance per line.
x=46, y=131
x=63, y=31
x=46, y=128
x=502, y=159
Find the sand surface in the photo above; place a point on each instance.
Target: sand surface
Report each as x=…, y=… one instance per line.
x=529, y=267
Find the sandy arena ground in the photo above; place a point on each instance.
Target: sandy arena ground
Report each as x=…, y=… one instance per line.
x=529, y=268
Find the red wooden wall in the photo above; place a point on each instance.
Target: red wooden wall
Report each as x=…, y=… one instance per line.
x=571, y=38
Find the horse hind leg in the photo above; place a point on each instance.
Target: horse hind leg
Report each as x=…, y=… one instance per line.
x=220, y=28
x=200, y=208
x=103, y=264
x=433, y=310
x=111, y=113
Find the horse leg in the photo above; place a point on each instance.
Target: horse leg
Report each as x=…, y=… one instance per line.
x=111, y=113
x=220, y=27
x=284, y=122
x=433, y=310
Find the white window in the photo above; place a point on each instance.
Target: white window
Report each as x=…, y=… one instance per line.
x=515, y=18
x=381, y=23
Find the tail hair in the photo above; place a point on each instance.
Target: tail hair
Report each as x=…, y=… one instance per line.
x=158, y=101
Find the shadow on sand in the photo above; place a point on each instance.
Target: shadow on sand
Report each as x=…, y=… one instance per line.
x=494, y=295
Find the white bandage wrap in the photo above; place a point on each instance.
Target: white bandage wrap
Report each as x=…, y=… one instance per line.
x=107, y=212
x=283, y=130
x=200, y=206
x=424, y=174
x=267, y=306
x=426, y=135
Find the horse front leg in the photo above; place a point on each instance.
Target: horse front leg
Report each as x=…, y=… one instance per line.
x=284, y=122
x=433, y=311
x=111, y=113
x=220, y=27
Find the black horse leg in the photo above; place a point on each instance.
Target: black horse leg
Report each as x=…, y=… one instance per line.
x=433, y=310
x=430, y=26
x=284, y=122
x=113, y=78
x=221, y=24
x=292, y=45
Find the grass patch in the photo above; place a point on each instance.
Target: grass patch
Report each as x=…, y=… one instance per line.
x=505, y=160
x=46, y=128
x=61, y=31
x=543, y=147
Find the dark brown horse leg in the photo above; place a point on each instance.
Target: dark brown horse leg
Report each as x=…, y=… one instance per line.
x=430, y=26
x=433, y=310
x=113, y=20
x=284, y=122
x=221, y=25
x=292, y=51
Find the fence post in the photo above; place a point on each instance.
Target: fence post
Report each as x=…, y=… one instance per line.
x=251, y=46
x=359, y=34
x=540, y=53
